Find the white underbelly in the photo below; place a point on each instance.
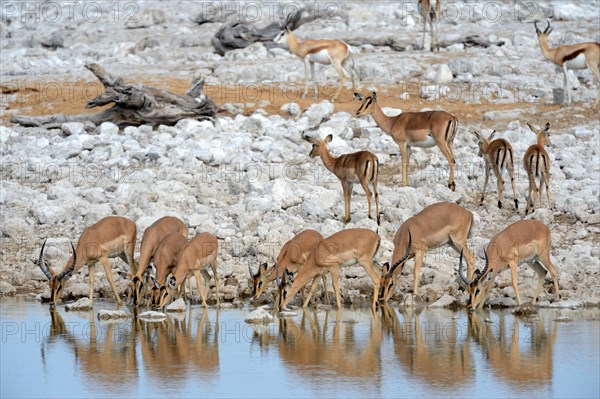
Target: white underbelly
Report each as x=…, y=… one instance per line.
x=427, y=143
x=321, y=57
x=577, y=62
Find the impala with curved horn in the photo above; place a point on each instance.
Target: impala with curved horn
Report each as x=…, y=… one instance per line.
x=537, y=165
x=195, y=258
x=110, y=237
x=525, y=241
x=497, y=155
x=358, y=167
x=291, y=258
x=444, y=223
x=344, y=248
x=334, y=52
x=151, y=240
x=570, y=56
x=414, y=129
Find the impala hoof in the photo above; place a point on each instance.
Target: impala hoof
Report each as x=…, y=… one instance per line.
x=452, y=186
x=516, y=204
x=500, y=204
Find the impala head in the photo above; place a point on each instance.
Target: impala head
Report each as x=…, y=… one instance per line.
x=281, y=37
x=137, y=284
x=386, y=282
x=283, y=286
x=484, y=142
x=57, y=281
x=543, y=135
x=166, y=292
x=258, y=280
x=317, y=144
x=475, y=286
x=366, y=106
x=546, y=31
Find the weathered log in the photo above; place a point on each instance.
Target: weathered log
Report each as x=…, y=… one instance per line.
x=134, y=104
x=397, y=44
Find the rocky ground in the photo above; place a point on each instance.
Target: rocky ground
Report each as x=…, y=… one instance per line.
x=246, y=176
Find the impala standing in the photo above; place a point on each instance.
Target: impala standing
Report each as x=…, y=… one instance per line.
x=334, y=52
x=344, y=248
x=444, y=223
x=153, y=235
x=414, y=129
x=526, y=241
x=110, y=237
x=537, y=165
x=292, y=257
x=430, y=11
x=359, y=167
x=570, y=56
x=497, y=155
x=194, y=259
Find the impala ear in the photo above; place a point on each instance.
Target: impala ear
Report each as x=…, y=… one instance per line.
x=374, y=96
x=264, y=266
x=547, y=127
x=492, y=135
x=328, y=139
x=358, y=96
x=532, y=128
x=172, y=282
x=310, y=139
x=385, y=269
x=125, y=275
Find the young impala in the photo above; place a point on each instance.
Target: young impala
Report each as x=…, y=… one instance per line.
x=414, y=129
x=292, y=258
x=537, y=165
x=165, y=260
x=358, y=167
x=150, y=241
x=430, y=11
x=497, y=155
x=444, y=223
x=110, y=237
x=344, y=248
x=195, y=258
x=526, y=241
x=570, y=56
x=334, y=52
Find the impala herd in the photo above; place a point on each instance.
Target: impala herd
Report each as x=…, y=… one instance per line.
x=168, y=258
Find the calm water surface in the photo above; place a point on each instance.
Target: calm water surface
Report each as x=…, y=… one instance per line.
x=402, y=353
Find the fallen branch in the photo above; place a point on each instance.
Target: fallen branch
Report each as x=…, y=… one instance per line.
x=134, y=105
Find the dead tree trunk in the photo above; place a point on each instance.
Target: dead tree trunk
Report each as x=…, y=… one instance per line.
x=134, y=105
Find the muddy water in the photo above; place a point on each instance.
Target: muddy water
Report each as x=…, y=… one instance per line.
x=402, y=353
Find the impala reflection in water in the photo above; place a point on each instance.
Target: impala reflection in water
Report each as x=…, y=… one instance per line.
x=351, y=353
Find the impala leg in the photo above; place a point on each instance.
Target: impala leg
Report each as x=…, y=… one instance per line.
x=340, y=70
x=424, y=28
x=335, y=283
x=514, y=277
x=540, y=190
x=216, y=274
x=548, y=196
x=91, y=274
x=306, y=68
x=530, y=194
x=541, y=272
x=315, y=83
x=594, y=68
x=313, y=287
x=405, y=154
x=325, y=293
x=376, y=197
x=200, y=288
x=206, y=275
x=419, y=253
x=448, y=155
x=347, y=190
x=511, y=173
x=349, y=70
x=460, y=244
x=367, y=264
x=108, y=271
x=485, y=183
x=544, y=258
x=500, y=182
x=365, y=186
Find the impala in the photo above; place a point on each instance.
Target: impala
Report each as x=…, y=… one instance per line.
x=292, y=257
x=525, y=241
x=334, y=52
x=344, y=248
x=358, y=167
x=570, y=56
x=497, y=155
x=165, y=260
x=194, y=259
x=537, y=165
x=153, y=235
x=110, y=237
x=444, y=223
x=430, y=11
x=414, y=129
